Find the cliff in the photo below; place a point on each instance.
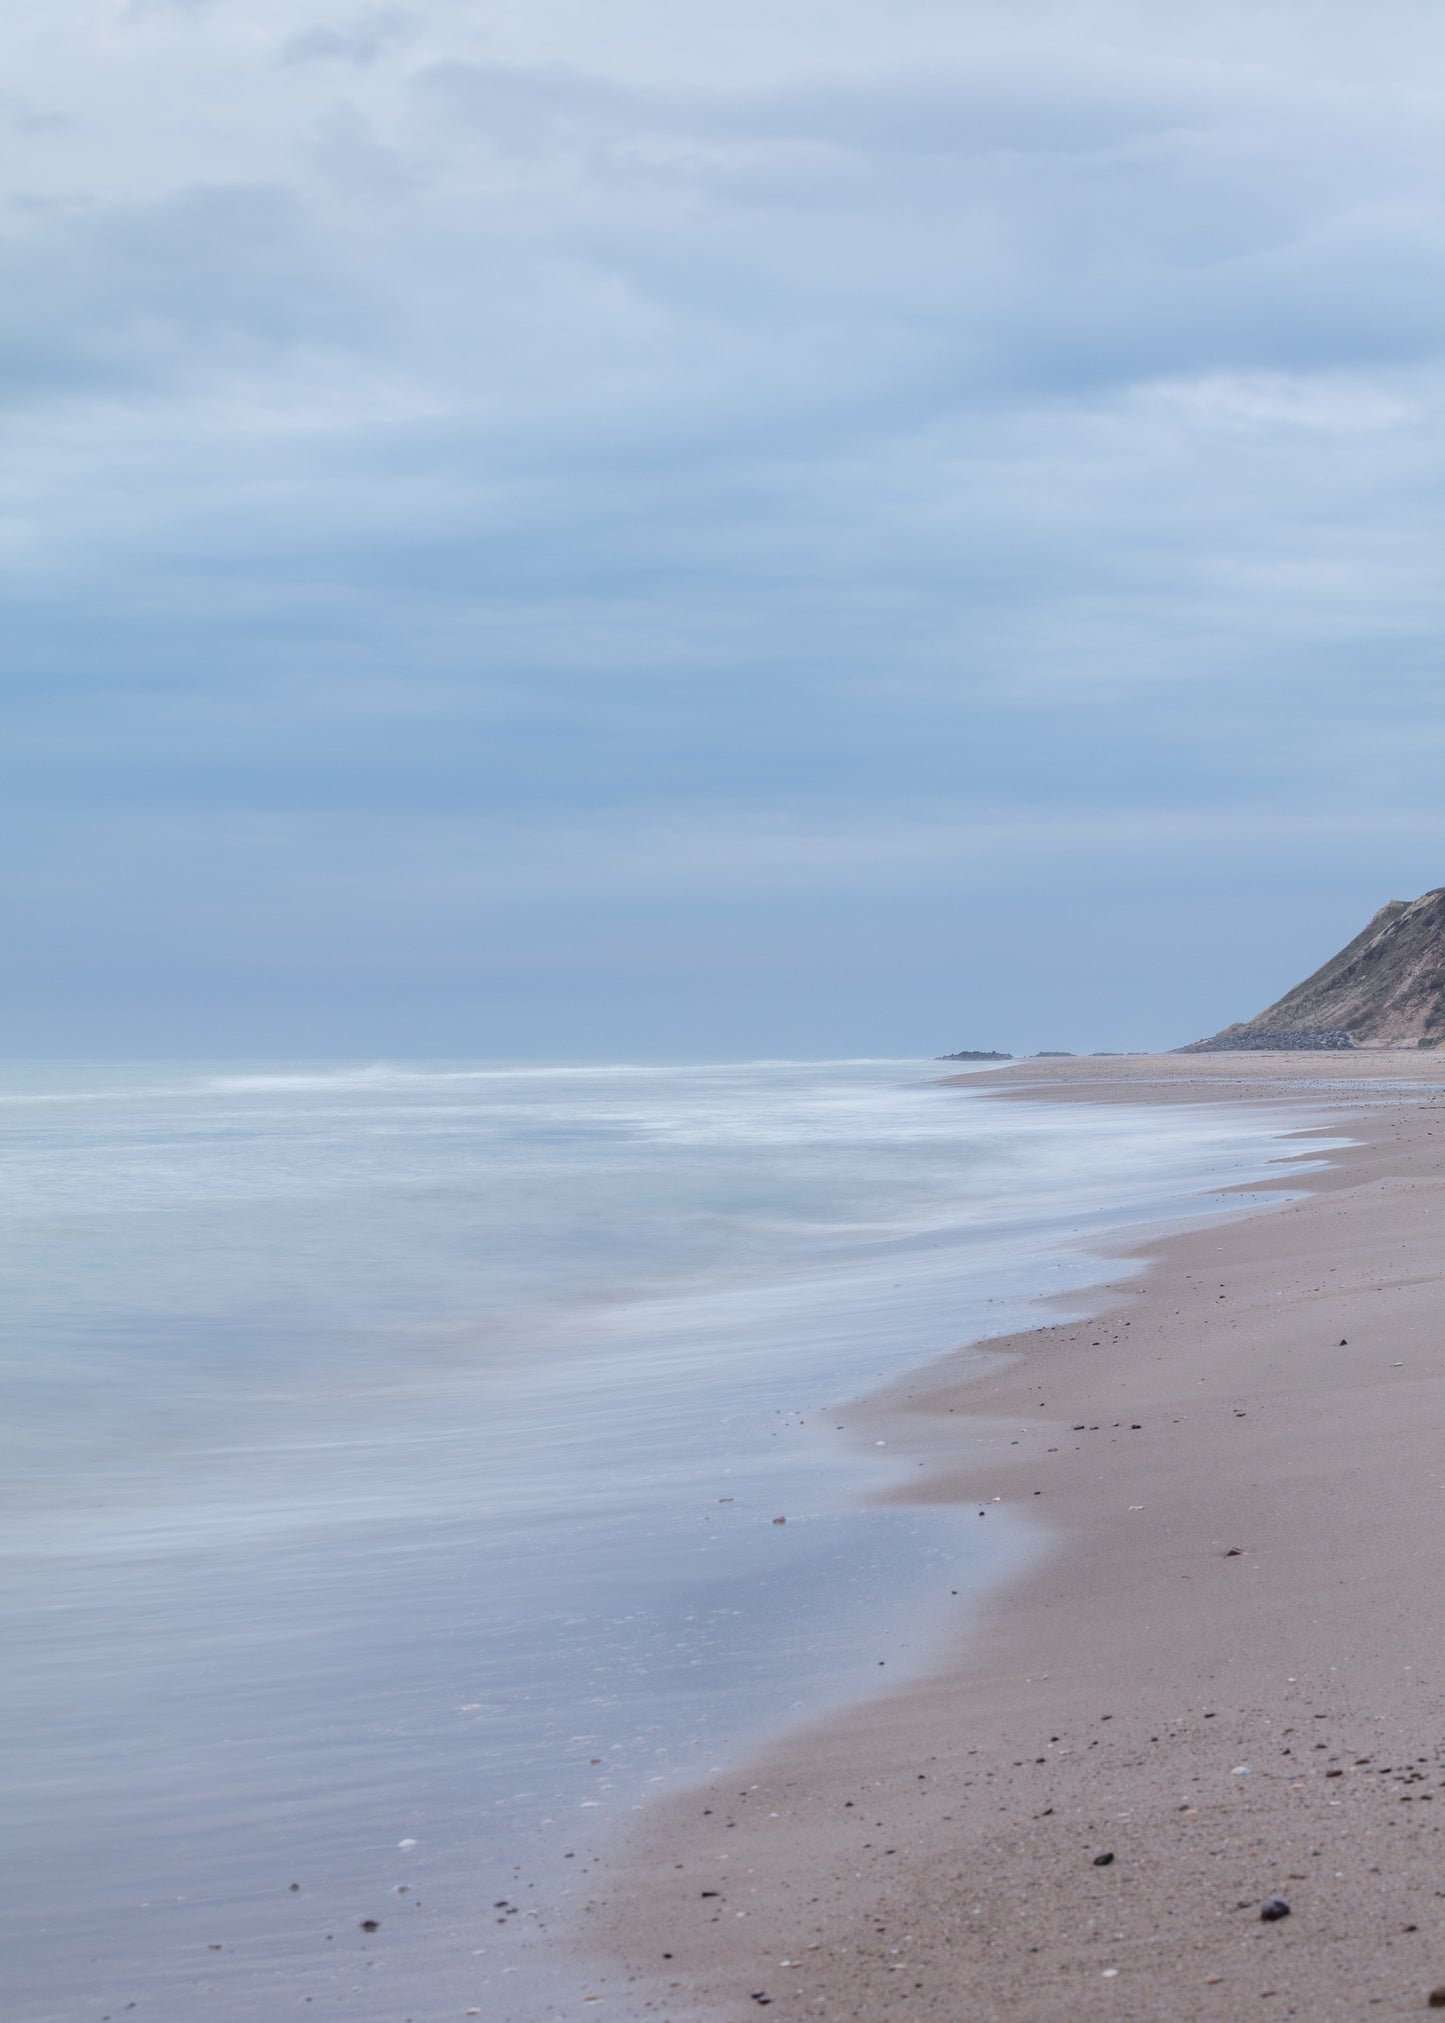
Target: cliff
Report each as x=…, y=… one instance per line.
x=1386, y=988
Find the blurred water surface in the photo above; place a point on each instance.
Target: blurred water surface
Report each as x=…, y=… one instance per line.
x=392, y=1453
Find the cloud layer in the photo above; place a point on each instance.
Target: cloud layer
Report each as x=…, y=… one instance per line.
x=642, y=494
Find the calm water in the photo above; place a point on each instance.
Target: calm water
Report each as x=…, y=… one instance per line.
x=392, y=1454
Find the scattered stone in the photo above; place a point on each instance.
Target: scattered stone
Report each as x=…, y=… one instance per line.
x=1102, y=1860
x=371, y=1924
x=1235, y=1552
x=780, y=1520
x=1437, y=1999
x=1272, y=1909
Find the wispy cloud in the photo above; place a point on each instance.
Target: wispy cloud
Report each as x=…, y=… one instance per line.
x=359, y=40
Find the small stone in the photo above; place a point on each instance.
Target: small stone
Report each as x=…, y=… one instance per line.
x=1437, y=1999
x=1273, y=1908
x=371, y=1924
x=1102, y=1860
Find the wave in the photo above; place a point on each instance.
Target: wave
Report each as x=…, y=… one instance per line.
x=385, y=1074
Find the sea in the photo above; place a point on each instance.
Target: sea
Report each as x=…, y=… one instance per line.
x=394, y=1460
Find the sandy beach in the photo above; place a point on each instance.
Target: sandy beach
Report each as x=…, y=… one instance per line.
x=1222, y=1681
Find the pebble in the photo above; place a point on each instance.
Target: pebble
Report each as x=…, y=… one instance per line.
x=1272, y=1908
x=1437, y=1999
x=1102, y=1860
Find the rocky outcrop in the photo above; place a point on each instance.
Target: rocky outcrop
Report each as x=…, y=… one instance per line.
x=1385, y=989
x=1242, y=1040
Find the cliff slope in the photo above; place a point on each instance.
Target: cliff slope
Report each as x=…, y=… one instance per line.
x=1386, y=988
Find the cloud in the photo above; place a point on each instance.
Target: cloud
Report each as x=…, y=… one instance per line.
x=360, y=41
x=520, y=416
x=1330, y=402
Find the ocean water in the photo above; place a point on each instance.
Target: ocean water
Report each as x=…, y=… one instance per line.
x=392, y=1454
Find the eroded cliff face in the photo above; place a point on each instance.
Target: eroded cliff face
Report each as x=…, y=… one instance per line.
x=1386, y=988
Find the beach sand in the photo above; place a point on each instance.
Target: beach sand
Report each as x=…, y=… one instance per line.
x=1226, y=1672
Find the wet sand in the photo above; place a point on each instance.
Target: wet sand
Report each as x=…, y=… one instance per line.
x=1226, y=1673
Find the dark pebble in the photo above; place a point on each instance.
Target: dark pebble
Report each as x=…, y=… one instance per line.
x=371, y=1924
x=1272, y=1908
x=1102, y=1860
x=1437, y=1995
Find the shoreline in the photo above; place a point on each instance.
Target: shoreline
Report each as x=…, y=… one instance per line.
x=1224, y=1671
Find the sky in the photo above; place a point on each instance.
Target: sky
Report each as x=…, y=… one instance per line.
x=657, y=530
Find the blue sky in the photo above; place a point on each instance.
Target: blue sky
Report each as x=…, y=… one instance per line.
x=660, y=530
